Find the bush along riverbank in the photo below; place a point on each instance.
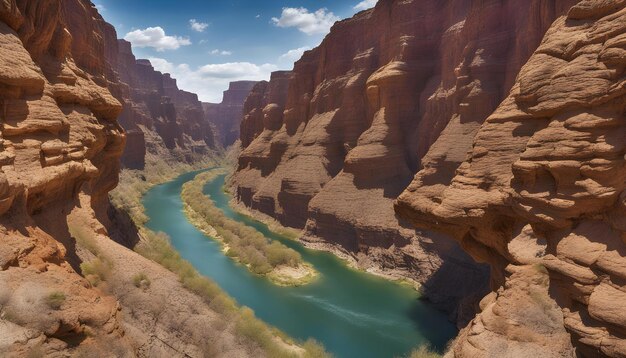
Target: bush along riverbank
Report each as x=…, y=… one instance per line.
x=157, y=247
x=280, y=264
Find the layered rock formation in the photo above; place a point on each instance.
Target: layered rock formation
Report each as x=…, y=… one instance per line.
x=226, y=116
x=543, y=189
x=60, y=139
x=157, y=116
x=366, y=108
x=60, y=148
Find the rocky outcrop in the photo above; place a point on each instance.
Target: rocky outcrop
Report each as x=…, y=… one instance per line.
x=365, y=109
x=226, y=116
x=543, y=189
x=60, y=149
x=158, y=117
x=59, y=140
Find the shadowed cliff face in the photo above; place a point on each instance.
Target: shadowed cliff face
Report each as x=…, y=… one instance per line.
x=226, y=116
x=362, y=113
x=60, y=145
x=543, y=189
x=158, y=117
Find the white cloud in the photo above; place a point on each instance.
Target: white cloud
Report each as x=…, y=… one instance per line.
x=198, y=26
x=258, y=16
x=100, y=7
x=292, y=56
x=209, y=81
x=221, y=52
x=365, y=4
x=156, y=38
x=310, y=23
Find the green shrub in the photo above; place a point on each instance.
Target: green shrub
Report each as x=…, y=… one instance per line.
x=142, y=281
x=96, y=270
x=55, y=300
x=246, y=244
x=424, y=351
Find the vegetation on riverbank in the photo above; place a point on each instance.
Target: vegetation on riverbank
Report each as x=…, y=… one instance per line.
x=282, y=265
x=156, y=246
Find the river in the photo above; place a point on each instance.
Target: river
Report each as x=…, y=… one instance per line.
x=353, y=314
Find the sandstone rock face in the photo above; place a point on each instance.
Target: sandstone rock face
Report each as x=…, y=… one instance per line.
x=59, y=137
x=544, y=187
x=157, y=116
x=363, y=110
x=226, y=116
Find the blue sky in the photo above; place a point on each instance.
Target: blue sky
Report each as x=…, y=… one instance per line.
x=207, y=44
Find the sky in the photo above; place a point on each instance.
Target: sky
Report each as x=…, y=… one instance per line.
x=205, y=44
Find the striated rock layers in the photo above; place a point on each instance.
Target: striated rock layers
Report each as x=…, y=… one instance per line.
x=59, y=140
x=226, y=116
x=363, y=111
x=60, y=149
x=543, y=189
x=158, y=117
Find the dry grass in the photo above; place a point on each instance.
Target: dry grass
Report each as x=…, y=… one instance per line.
x=424, y=351
x=244, y=243
x=96, y=271
x=156, y=247
x=55, y=300
x=141, y=280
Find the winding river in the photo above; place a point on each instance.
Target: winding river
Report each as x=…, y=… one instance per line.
x=352, y=313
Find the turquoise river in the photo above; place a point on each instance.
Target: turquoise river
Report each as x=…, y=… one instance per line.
x=353, y=314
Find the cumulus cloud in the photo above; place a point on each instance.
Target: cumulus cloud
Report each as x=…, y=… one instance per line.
x=198, y=26
x=292, y=56
x=221, y=52
x=209, y=81
x=365, y=4
x=156, y=38
x=310, y=23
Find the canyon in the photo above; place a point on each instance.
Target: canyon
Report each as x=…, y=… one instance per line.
x=474, y=148
x=496, y=124
x=159, y=119
x=226, y=116
x=66, y=285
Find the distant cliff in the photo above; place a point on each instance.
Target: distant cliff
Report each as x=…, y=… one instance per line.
x=226, y=116
x=158, y=117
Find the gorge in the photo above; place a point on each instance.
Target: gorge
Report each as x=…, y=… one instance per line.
x=474, y=150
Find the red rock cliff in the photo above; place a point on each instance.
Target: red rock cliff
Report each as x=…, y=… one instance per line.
x=226, y=116
x=541, y=196
x=158, y=117
x=59, y=149
x=361, y=113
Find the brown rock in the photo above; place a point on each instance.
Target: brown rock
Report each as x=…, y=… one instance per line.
x=226, y=116
x=159, y=118
x=396, y=89
x=551, y=159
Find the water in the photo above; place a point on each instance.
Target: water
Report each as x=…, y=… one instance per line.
x=352, y=313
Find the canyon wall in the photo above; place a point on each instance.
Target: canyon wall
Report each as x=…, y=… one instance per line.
x=60, y=141
x=541, y=196
x=361, y=113
x=60, y=149
x=226, y=116
x=158, y=117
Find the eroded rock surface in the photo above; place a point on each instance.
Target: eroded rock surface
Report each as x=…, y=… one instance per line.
x=226, y=116
x=158, y=117
x=60, y=149
x=59, y=137
x=365, y=109
x=543, y=189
